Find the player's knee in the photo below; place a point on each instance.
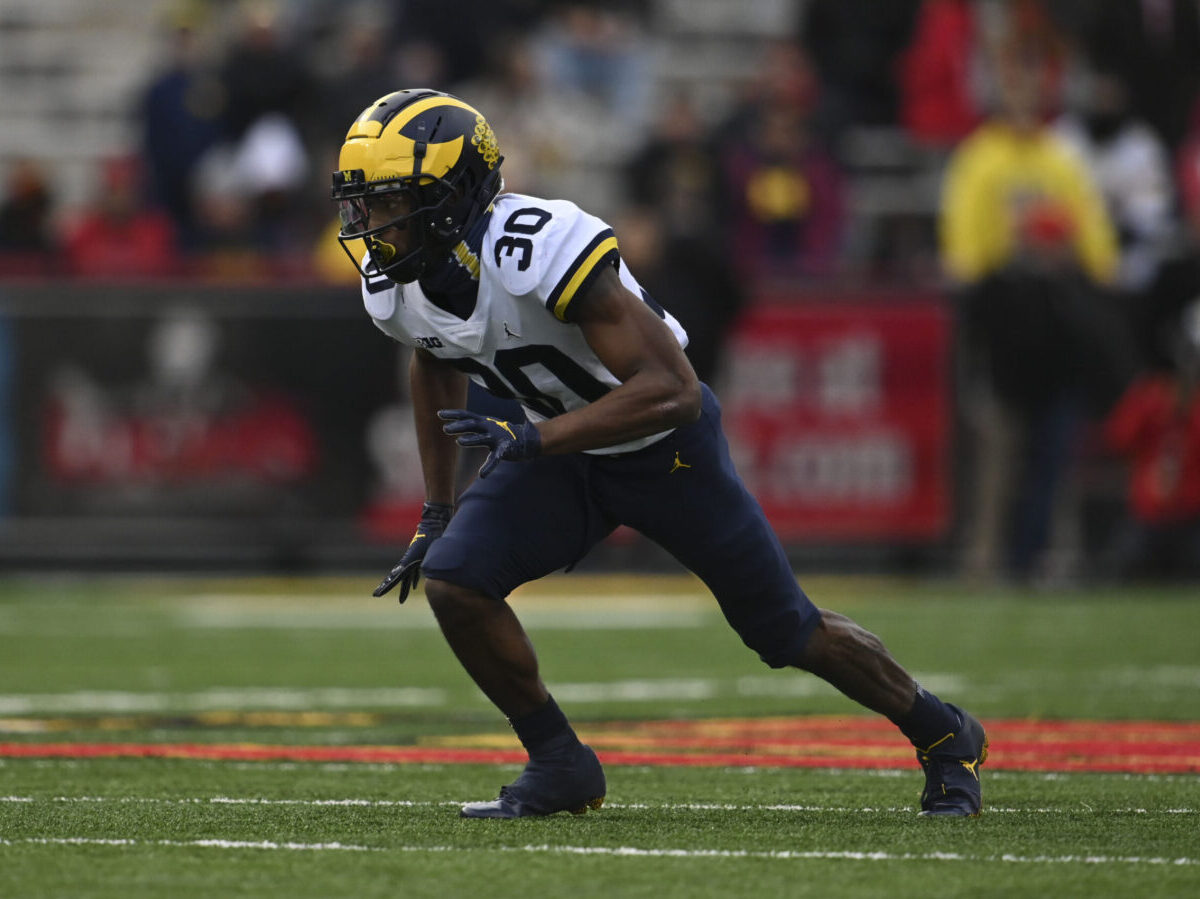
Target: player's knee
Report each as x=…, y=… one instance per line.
x=453, y=605
x=781, y=639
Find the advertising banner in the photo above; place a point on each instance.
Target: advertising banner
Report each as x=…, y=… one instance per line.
x=839, y=413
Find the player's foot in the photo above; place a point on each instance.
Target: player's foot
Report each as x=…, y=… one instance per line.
x=572, y=782
x=952, y=770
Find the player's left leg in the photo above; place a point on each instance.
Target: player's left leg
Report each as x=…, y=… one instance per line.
x=520, y=523
x=685, y=494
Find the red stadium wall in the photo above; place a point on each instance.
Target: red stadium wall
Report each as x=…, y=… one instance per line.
x=287, y=438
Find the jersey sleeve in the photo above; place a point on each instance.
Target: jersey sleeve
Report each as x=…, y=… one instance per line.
x=567, y=250
x=589, y=247
x=379, y=299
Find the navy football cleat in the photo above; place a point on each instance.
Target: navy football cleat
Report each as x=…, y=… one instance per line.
x=571, y=783
x=952, y=770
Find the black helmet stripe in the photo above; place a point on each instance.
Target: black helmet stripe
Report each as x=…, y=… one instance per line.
x=385, y=108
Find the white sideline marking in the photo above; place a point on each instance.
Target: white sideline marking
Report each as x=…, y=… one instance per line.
x=1158, y=675
x=624, y=851
x=784, y=684
x=750, y=770
x=674, y=806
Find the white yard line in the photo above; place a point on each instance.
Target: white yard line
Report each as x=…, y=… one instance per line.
x=599, y=612
x=205, y=844
x=625, y=851
x=851, y=855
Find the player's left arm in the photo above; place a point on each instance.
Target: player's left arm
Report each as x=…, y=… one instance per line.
x=659, y=389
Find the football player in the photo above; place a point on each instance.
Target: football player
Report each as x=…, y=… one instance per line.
x=529, y=299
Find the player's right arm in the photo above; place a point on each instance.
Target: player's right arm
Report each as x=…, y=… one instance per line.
x=435, y=384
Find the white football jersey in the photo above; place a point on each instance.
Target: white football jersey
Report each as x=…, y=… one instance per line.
x=519, y=341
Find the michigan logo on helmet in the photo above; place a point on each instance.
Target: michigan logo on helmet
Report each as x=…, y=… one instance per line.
x=417, y=170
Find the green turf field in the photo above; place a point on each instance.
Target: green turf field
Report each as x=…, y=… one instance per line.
x=308, y=665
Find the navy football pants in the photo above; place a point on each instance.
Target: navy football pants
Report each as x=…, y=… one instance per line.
x=527, y=519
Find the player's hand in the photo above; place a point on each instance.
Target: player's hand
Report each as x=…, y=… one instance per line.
x=406, y=573
x=508, y=440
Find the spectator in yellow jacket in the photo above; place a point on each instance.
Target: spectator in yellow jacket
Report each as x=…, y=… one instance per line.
x=1028, y=244
x=1012, y=169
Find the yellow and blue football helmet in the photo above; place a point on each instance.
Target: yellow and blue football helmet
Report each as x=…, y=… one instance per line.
x=431, y=148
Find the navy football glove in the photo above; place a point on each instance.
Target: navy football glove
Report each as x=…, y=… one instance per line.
x=508, y=440
x=434, y=518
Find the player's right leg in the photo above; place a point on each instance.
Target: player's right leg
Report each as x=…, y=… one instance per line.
x=522, y=522
x=950, y=743
x=563, y=774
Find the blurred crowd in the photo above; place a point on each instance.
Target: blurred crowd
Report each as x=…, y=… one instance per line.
x=1063, y=137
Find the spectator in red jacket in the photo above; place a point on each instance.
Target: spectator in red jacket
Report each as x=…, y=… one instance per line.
x=117, y=236
x=1156, y=425
x=939, y=74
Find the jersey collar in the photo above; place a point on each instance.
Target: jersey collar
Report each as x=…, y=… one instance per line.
x=454, y=286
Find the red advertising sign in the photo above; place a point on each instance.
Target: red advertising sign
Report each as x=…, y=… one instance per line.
x=839, y=417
